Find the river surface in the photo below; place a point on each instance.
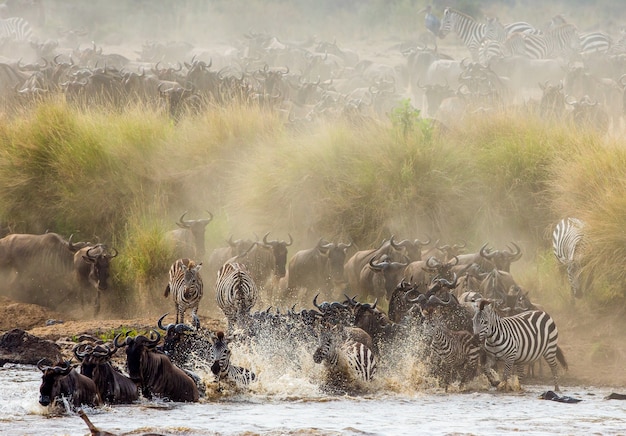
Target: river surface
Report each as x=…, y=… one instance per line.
x=287, y=405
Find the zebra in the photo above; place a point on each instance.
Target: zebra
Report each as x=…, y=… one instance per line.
x=456, y=353
x=15, y=29
x=186, y=287
x=567, y=245
x=521, y=27
x=219, y=355
x=236, y=292
x=346, y=359
x=560, y=41
x=471, y=32
x=595, y=42
x=517, y=339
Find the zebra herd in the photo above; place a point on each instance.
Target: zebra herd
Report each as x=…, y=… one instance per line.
x=559, y=39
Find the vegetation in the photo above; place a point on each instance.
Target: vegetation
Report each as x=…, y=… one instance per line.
x=124, y=178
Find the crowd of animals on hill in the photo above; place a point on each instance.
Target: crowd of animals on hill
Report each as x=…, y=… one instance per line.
x=551, y=69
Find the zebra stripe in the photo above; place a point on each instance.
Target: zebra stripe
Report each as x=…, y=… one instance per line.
x=520, y=27
x=561, y=41
x=458, y=352
x=566, y=244
x=186, y=287
x=221, y=367
x=518, y=339
x=15, y=29
x=350, y=354
x=471, y=32
x=236, y=292
x=594, y=42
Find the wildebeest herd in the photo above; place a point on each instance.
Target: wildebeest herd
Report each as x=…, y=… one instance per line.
x=552, y=69
x=454, y=313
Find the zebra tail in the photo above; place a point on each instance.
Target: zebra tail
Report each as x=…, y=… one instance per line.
x=167, y=291
x=561, y=357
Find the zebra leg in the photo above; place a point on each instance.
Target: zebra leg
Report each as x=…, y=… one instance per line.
x=555, y=371
x=488, y=371
x=180, y=314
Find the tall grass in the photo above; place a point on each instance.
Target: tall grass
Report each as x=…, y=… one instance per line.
x=126, y=177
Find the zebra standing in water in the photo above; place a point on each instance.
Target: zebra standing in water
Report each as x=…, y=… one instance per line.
x=517, y=339
x=470, y=31
x=456, y=353
x=566, y=243
x=347, y=360
x=221, y=367
x=15, y=29
x=186, y=287
x=236, y=293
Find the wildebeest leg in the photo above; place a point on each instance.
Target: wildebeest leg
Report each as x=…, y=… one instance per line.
x=487, y=371
x=97, y=303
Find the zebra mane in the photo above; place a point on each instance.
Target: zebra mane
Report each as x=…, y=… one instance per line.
x=483, y=303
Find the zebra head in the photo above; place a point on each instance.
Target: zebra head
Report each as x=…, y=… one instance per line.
x=447, y=21
x=192, y=278
x=220, y=356
x=326, y=351
x=482, y=317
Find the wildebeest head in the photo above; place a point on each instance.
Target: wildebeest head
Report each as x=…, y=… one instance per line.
x=99, y=257
x=279, y=249
x=49, y=390
x=502, y=259
x=136, y=350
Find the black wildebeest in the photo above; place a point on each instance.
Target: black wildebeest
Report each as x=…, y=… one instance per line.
x=188, y=240
x=43, y=261
x=63, y=381
x=91, y=268
x=154, y=372
x=113, y=386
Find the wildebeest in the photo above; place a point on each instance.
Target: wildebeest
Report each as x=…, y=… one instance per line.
x=91, y=267
x=45, y=260
x=113, y=387
x=319, y=267
x=63, y=381
x=154, y=372
x=189, y=238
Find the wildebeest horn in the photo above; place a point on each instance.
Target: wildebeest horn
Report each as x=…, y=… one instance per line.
x=343, y=246
x=432, y=262
x=91, y=256
x=485, y=253
x=41, y=366
x=113, y=254
x=81, y=351
x=290, y=240
x=207, y=220
x=517, y=254
x=123, y=344
x=455, y=259
x=160, y=323
x=153, y=342
x=315, y=302
x=351, y=301
x=184, y=223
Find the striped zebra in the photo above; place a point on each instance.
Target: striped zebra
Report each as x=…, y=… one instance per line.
x=595, y=42
x=221, y=367
x=348, y=360
x=562, y=41
x=518, y=339
x=520, y=27
x=470, y=31
x=185, y=284
x=15, y=29
x=457, y=353
x=567, y=246
x=236, y=292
